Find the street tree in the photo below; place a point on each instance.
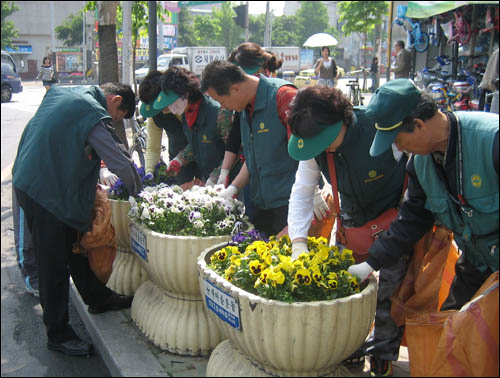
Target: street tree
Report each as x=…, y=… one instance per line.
x=312, y=18
x=186, y=36
x=256, y=27
x=71, y=30
x=361, y=17
x=230, y=33
x=8, y=28
x=206, y=30
x=284, y=31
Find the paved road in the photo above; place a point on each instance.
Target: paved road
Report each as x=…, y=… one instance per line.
x=24, y=351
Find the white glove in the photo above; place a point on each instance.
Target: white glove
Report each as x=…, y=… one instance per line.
x=298, y=248
x=362, y=271
x=107, y=177
x=229, y=192
x=222, y=177
x=320, y=207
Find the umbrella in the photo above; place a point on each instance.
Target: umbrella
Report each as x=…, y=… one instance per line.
x=320, y=39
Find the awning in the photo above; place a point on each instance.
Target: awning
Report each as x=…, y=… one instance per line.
x=425, y=9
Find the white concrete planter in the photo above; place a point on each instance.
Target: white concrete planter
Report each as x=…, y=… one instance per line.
x=169, y=308
x=298, y=339
x=120, y=220
x=128, y=273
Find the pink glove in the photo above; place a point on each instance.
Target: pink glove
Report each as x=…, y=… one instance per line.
x=174, y=167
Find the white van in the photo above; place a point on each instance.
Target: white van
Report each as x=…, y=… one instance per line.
x=163, y=63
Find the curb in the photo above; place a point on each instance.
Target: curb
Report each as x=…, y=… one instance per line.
x=124, y=350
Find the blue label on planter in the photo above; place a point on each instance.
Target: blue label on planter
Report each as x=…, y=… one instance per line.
x=138, y=243
x=223, y=305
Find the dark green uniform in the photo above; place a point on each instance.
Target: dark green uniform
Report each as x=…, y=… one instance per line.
x=208, y=147
x=368, y=186
x=176, y=142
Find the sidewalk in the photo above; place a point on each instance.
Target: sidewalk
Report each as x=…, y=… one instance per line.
x=128, y=353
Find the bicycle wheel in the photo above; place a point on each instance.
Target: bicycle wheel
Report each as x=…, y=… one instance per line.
x=355, y=99
x=137, y=153
x=423, y=43
x=360, y=98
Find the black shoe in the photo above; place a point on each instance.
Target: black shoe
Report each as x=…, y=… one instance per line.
x=73, y=347
x=380, y=368
x=114, y=302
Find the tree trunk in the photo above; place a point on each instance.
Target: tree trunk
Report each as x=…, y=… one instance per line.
x=108, y=54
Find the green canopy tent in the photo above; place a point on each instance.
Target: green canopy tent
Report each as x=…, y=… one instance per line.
x=425, y=9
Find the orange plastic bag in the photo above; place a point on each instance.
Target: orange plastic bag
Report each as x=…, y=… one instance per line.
x=322, y=228
x=99, y=244
x=457, y=343
x=429, y=277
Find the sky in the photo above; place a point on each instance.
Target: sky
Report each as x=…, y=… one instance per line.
x=259, y=7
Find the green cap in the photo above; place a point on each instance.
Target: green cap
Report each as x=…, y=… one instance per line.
x=389, y=106
x=250, y=70
x=308, y=148
x=165, y=99
x=147, y=110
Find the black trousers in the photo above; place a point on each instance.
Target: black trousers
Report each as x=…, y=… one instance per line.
x=53, y=241
x=467, y=281
x=271, y=221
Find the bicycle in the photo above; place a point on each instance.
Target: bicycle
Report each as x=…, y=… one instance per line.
x=355, y=93
x=417, y=38
x=139, y=138
x=434, y=32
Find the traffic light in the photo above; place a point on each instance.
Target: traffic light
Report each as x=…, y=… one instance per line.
x=241, y=15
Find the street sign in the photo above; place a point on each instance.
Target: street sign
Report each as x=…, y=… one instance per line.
x=185, y=4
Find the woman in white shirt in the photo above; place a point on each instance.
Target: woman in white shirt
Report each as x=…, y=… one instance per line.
x=326, y=68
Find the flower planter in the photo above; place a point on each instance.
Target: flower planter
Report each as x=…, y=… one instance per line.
x=128, y=273
x=298, y=339
x=169, y=308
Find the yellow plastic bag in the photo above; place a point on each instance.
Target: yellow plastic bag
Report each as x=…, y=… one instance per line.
x=457, y=343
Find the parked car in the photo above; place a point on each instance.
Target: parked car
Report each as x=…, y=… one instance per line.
x=305, y=78
x=163, y=63
x=11, y=83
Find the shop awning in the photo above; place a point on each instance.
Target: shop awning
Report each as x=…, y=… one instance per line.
x=425, y=9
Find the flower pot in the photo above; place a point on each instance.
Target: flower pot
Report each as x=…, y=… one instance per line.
x=120, y=221
x=297, y=339
x=169, y=308
x=128, y=273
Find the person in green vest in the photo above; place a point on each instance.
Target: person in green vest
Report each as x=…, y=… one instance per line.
x=55, y=177
x=159, y=120
x=205, y=124
x=262, y=103
x=325, y=123
x=453, y=181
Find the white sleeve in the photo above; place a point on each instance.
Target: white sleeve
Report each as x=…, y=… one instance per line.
x=301, y=206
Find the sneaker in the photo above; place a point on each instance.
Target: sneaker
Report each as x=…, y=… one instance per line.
x=32, y=289
x=357, y=358
x=380, y=368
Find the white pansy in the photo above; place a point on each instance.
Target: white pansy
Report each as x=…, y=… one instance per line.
x=145, y=213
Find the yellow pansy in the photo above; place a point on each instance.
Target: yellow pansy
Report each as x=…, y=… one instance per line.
x=255, y=267
x=279, y=277
x=235, y=260
x=303, y=277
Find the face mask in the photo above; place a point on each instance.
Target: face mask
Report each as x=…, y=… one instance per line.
x=178, y=106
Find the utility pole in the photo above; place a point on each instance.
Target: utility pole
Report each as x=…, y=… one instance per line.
x=152, y=35
x=389, y=41
x=127, y=42
x=52, y=27
x=267, y=31
x=84, y=47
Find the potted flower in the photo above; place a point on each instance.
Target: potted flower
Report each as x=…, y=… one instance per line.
x=169, y=229
x=289, y=318
x=128, y=274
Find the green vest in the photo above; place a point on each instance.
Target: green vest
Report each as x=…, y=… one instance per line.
x=475, y=227
x=52, y=165
x=208, y=147
x=368, y=185
x=173, y=127
x=265, y=146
